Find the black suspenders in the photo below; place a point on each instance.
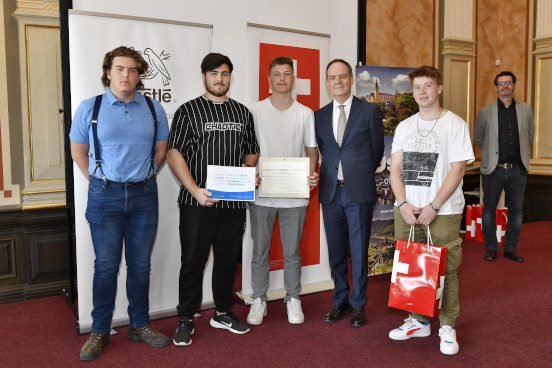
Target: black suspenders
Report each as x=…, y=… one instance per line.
x=96, y=111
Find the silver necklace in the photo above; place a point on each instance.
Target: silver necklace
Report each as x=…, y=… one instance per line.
x=435, y=123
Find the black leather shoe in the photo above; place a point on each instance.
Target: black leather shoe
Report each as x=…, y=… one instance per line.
x=358, y=318
x=490, y=255
x=337, y=312
x=513, y=256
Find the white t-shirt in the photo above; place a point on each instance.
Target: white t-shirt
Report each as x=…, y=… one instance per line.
x=428, y=155
x=283, y=134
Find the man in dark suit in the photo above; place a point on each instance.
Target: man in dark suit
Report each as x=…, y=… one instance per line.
x=349, y=132
x=504, y=130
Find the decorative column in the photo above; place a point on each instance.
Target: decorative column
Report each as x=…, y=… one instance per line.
x=542, y=108
x=458, y=51
x=41, y=103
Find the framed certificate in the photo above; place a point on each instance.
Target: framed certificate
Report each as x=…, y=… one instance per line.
x=284, y=177
x=231, y=183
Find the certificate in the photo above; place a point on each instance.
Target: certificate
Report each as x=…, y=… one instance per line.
x=284, y=177
x=231, y=183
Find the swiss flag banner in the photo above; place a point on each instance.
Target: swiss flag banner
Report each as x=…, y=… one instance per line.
x=418, y=277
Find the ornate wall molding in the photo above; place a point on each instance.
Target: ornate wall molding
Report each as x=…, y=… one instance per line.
x=458, y=47
x=47, y=8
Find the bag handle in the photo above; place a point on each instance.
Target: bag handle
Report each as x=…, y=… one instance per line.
x=411, y=237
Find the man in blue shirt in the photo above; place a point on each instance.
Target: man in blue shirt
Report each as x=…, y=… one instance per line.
x=126, y=135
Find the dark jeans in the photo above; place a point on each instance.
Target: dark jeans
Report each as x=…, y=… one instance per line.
x=115, y=213
x=512, y=181
x=201, y=227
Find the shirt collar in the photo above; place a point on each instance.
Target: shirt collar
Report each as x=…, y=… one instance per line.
x=347, y=103
x=501, y=104
x=138, y=98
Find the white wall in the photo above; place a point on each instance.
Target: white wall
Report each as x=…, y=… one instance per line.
x=229, y=19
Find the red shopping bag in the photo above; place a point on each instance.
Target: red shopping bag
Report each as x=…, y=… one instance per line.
x=473, y=222
x=418, y=276
x=501, y=224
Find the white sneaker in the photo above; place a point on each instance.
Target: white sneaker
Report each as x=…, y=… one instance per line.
x=411, y=328
x=295, y=312
x=257, y=312
x=449, y=344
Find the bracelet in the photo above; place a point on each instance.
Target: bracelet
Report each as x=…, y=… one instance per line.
x=399, y=206
x=433, y=207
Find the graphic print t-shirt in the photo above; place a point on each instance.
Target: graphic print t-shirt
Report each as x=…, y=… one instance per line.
x=427, y=157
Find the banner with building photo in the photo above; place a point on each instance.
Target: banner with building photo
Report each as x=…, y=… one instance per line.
x=310, y=54
x=391, y=89
x=174, y=51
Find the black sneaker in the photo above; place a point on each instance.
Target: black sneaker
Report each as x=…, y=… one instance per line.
x=229, y=322
x=184, y=331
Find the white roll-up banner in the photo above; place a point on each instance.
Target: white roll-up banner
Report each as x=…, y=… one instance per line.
x=174, y=51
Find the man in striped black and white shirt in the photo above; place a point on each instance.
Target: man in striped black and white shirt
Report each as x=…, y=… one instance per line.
x=212, y=129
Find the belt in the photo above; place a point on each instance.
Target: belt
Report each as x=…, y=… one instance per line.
x=128, y=184
x=510, y=166
x=341, y=183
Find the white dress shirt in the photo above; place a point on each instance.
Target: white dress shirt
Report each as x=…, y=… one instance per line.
x=335, y=117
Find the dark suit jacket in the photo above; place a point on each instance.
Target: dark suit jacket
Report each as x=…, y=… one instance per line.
x=360, y=152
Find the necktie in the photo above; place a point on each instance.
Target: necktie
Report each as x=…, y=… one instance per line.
x=341, y=123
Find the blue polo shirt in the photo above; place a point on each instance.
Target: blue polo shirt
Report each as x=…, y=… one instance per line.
x=125, y=133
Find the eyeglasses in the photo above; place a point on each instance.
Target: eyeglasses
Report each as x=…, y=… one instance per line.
x=505, y=83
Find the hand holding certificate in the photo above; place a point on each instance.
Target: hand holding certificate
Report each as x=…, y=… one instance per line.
x=284, y=177
x=231, y=183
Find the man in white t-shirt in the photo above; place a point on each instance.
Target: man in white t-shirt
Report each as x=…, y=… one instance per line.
x=428, y=160
x=284, y=128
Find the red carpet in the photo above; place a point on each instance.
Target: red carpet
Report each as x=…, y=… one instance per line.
x=506, y=308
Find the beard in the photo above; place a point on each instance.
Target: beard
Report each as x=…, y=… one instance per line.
x=217, y=93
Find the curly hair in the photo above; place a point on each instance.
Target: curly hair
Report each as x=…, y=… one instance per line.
x=123, y=51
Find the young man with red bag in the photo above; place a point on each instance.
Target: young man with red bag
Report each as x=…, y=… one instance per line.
x=428, y=161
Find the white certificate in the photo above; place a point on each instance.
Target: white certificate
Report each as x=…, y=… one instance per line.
x=284, y=177
x=231, y=183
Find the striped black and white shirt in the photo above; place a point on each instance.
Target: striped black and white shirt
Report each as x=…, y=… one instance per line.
x=212, y=133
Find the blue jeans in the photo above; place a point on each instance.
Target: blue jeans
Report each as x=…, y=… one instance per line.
x=117, y=212
x=512, y=181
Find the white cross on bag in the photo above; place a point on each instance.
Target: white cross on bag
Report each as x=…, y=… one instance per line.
x=439, y=293
x=398, y=267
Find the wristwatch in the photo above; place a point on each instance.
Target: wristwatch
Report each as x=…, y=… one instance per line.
x=433, y=207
